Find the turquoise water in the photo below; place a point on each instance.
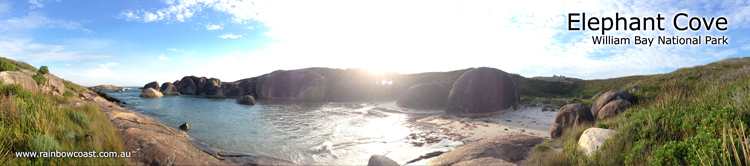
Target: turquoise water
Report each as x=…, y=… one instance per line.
x=303, y=132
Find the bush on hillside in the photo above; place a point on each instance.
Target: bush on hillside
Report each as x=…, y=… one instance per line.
x=7, y=66
x=43, y=70
x=40, y=79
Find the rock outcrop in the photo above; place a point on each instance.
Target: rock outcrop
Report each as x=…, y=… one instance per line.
x=14, y=77
x=574, y=115
x=54, y=85
x=429, y=95
x=609, y=97
x=105, y=87
x=153, y=85
x=298, y=85
x=247, y=100
x=210, y=83
x=151, y=93
x=380, y=160
x=636, y=87
x=485, y=161
x=168, y=88
x=187, y=86
x=231, y=90
x=613, y=108
x=593, y=138
x=120, y=90
x=185, y=126
x=211, y=90
x=509, y=148
x=482, y=92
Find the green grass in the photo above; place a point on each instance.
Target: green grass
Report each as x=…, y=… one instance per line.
x=692, y=116
x=18, y=65
x=31, y=122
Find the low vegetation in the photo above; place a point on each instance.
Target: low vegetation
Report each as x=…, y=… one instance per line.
x=31, y=122
x=692, y=116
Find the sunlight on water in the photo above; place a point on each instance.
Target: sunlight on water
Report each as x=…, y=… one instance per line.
x=302, y=132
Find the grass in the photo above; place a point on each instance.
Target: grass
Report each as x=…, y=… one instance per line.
x=31, y=122
x=18, y=65
x=692, y=116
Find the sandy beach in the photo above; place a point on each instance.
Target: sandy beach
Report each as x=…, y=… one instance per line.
x=433, y=127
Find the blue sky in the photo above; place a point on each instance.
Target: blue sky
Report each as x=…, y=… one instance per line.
x=133, y=42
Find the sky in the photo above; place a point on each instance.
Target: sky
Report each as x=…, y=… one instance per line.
x=133, y=42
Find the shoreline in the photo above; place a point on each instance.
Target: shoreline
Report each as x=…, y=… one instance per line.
x=153, y=143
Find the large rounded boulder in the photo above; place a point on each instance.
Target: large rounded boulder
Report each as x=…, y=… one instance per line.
x=187, y=86
x=298, y=85
x=246, y=100
x=429, y=95
x=168, y=88
x=210, y=83
x=482, y=92
x=153, y=85
x=212, y=90
x=613, y=108
x=609, y=97
x=14, y=77
x=231, y=90
x=593, y=138
x=574, y=115
x=151, y=93
x=509, y=148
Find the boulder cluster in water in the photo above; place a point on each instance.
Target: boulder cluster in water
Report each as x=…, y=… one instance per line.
x=470, y=92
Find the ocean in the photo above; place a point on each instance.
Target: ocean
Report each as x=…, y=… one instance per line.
x=308, y=133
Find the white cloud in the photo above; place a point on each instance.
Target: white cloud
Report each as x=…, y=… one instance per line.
x=38, y=20
x=36, y=4
x=25, y=49
x=250, y=27
x=193, y=52
x=162, y=57
x=4, y=6
x=67, y=64
x=230, y=36
x=746, y=47
x=109, y=64
x=213, y=27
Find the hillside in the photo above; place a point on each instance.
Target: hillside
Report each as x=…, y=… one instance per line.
x=692, y=116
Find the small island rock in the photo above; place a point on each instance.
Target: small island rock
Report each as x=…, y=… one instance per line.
x=154, y=85
x=151, y=93
x=247, y=100
x=185, y=126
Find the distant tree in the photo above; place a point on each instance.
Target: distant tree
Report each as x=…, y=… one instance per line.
x=43, y=70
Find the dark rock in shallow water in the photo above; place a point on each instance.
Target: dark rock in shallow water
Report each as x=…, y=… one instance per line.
x=154, y=85
x=298, y=85
x=429, y=95
x=107, y=96
x=232, y=90
x=247, y=100
x=380, y=160
x=212, y=90
x=482, y=92
x=613, y=108
x=120, y=90
x=187, y=86
x=609, y=97
x=185, y=126
x=426, y=156
x=168, y=89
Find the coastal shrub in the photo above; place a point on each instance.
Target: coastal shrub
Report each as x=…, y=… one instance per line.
x=68, y=94
x=74, y=88
x=7, y=66
x=20, y=65
x=40, y=79
x=79, y=118
x=43, y=143
x=43, y=70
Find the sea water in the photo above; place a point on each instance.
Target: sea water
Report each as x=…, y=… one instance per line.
x=317, y=133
